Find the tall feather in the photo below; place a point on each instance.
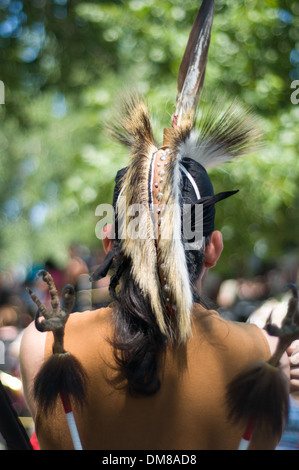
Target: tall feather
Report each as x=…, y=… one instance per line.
x=192, y=69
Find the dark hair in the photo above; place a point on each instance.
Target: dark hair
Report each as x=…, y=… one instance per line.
x=138, y=343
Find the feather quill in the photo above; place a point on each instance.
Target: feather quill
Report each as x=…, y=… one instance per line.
x=192, y=69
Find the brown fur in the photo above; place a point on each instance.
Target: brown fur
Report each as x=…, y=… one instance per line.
x=133, y=129
x=261, y=393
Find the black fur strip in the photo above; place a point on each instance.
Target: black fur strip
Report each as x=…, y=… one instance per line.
x=103, y=269
x=60, y=373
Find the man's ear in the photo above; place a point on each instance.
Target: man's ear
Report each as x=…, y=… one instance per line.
x=107, y=237
x=213, y=250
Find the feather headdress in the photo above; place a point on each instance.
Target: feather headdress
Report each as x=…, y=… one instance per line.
x=155, y=242
x=153, y=181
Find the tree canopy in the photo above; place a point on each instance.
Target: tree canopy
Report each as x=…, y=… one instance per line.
x=65, y=62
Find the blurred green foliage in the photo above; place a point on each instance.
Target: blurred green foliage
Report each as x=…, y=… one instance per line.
x=64, y=64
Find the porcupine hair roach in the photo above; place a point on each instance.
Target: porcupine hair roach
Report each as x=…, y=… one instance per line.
x=142, y=328
x=154, y=308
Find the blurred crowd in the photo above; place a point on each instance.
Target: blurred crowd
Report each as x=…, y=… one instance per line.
x=237, y=299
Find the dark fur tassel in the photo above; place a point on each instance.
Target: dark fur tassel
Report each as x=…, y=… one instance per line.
x=261, y=394
x=61, y=373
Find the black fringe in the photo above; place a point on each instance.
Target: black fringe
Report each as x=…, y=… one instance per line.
x=61, y=373
x=103, y=269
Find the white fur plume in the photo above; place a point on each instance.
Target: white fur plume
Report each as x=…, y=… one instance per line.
x=221, y=135
x=173, y=253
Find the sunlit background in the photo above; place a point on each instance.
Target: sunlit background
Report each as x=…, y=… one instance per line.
x=65, y=63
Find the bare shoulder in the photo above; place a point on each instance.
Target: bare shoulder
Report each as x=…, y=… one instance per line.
x=32, y=352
